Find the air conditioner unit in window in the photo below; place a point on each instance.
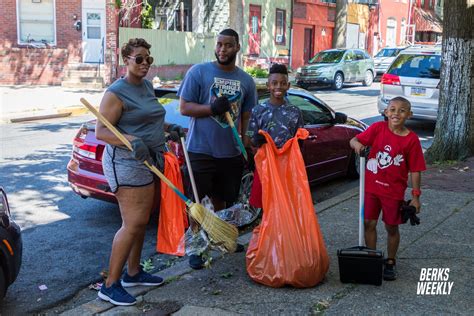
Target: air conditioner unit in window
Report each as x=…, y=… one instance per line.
x=279, y=38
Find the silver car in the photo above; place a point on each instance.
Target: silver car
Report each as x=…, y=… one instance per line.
x=384, y=58
x=414, y=75
x=335, y=67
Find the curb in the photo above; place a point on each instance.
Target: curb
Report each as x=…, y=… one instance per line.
x=170, y=274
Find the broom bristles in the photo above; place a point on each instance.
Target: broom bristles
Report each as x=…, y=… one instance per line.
x=220, y=232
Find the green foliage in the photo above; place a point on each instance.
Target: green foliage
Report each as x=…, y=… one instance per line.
x=257, y=72
x=147, y=265
x=117, y=4
x=147, y=16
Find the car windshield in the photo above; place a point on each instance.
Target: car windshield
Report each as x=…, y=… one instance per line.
x=420, y=66
x=327, y=57
x=388, y=52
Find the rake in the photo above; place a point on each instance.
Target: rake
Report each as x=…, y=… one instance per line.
x=219, y=231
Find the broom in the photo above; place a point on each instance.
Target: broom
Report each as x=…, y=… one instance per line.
x=220, y=232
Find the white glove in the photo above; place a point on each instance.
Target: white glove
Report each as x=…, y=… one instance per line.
x=372, y=165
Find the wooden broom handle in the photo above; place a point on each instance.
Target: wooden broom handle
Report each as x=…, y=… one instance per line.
x=125, y=141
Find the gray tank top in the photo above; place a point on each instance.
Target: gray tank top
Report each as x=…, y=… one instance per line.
x=142, y=116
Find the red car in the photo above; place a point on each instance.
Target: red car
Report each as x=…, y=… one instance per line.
x=326, y=151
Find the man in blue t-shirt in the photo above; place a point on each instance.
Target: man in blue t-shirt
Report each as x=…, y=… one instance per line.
x=208, y=91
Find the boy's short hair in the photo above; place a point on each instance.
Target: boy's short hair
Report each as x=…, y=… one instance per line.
x=401, y=100
x=278, y=69
x=230, y=32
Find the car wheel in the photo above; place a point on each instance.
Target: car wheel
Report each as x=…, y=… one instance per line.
x=3, y=284
x=369, y=78
x=244, y=195
x=354, y=165
x=338, y=81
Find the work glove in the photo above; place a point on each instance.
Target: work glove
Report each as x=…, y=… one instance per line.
x=160, y=161
x=220, y=106
x=176, y=132
x=140, y=151
x=259, y=140
x=251, y=160
x=409, y=213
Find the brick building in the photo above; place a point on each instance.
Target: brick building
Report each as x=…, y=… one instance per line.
x=313, y=25
x=389, y=25
x=51, y=42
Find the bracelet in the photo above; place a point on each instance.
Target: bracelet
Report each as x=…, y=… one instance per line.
x=416, y=192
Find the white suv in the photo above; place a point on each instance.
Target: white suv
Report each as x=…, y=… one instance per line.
x=414, y=75
x=385, y=57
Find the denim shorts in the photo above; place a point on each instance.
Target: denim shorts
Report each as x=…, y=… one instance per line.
x=121, y=169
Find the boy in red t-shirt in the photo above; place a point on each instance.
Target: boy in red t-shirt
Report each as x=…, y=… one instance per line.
x=395, y=152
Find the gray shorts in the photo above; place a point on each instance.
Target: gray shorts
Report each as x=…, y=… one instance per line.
x=121, y=169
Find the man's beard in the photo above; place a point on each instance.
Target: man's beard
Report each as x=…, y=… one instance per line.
x=231, y=60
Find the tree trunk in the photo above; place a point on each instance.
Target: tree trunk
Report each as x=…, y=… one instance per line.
x=236, y=22
x=454, y=132
x=340, y=25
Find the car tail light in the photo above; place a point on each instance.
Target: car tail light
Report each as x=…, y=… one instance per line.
x=390, y=79
x=81, y=148
x=177, y=150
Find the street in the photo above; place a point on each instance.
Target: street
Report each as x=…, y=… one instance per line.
x=67, y=239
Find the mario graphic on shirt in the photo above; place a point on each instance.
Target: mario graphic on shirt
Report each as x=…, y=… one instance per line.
x=383, y=160
x=231, y=89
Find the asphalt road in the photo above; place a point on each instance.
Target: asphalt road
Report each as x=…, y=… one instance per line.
x=67, y=239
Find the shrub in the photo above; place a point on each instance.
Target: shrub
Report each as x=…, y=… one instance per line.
x=257, y=72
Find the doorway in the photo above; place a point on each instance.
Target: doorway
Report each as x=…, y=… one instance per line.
x=255, y=27
x=93, y=34
x=308, y=45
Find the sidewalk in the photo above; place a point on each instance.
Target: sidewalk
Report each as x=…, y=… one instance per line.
x=25, y=103
x=443, y=240
x=21, y=103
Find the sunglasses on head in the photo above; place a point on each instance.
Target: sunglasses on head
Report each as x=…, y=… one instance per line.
x=140, y=59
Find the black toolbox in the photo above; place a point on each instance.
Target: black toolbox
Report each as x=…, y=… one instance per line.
x=360, y=264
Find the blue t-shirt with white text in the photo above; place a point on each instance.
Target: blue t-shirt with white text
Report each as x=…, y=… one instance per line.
x=202, y=84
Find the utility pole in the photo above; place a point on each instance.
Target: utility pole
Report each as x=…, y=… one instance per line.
x=340, y=25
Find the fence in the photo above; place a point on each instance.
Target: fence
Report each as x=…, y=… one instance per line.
x=171, y=47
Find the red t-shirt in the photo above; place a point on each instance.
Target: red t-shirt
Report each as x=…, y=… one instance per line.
x=390, y=159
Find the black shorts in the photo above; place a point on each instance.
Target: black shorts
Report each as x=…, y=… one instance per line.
x=217, y=177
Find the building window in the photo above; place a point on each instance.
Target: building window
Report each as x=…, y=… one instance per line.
x=391, y=37
x=36, y=22
x=403, y=31
x=331, y=14
x=280, y=27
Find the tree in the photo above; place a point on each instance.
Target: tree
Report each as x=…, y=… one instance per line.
x=454, y=131
x=340, y=25
x=236, y=18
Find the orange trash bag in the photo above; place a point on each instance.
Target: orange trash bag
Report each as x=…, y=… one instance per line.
x=287, y=248
x=173, y=219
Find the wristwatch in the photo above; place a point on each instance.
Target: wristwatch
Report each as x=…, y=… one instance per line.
x=416, y=192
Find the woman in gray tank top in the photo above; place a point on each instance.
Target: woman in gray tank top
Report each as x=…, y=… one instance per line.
x=130, y=104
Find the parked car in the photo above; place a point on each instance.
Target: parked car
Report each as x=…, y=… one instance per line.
x=414, y=75
x=326, y=151
x=385, y=57
x=335, y=67
x=11, y=247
